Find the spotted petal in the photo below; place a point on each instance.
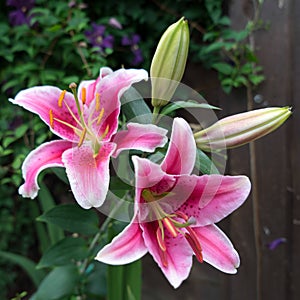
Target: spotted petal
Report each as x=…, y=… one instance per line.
x=181, y=154
x=178, y=254
x=41, y=99
x=45, y=156
x=217, y=249
x=110, y=88
x=90, y=85
x=88, y=176
x=214, y=197
x=144, y=137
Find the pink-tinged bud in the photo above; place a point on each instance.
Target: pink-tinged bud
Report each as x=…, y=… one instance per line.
x=168, y=63
x=240, y=129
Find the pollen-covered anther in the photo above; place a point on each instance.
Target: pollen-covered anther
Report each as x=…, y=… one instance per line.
x=83, y=95
x=160, y=239
x=105, y=132
x=61, y=98
x=97, y=102
x=51, y=119
x=193, y=240
x=170, y=226
x=100, y=116
x=82, y=137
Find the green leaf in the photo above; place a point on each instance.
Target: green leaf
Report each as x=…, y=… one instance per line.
x=61, y=174
x=256, y=79
x=64, y=252
x=60, y=282
x=204, y=163
x=185, y=104
x=21, y=130
x=135, y=108
x=26, y=264
x=47, y=202
x=213, y=47
x=223, y=68
x=8, y=140
x=72, y=218
x=40, y=228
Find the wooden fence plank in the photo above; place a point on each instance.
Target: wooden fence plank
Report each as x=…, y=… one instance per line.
x=294, y=150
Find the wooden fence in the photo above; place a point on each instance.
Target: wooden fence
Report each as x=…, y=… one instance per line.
x=275, y=213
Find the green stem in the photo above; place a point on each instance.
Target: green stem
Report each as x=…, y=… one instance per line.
x=155, y=114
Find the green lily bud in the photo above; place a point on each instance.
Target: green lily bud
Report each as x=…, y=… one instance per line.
x=169, y=62
x=240, y=129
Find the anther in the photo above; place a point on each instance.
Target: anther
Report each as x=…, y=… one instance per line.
x=100, y=116
x=83, y=95
x=105, y=132
x=82, y=137
x=160, y=240
x=195, y=245
x=61, y=98
x=97, y=101
x=51, y=119
x=170, y=226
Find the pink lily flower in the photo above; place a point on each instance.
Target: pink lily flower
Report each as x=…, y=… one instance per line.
x=87, y=123
x=175, y=213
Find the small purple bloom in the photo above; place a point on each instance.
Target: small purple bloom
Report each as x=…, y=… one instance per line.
x=275, y=243
x=136, y=51
x=19, y=15
x=138, y=56
x=96, y=36
x=72, y=3
x=115, y=23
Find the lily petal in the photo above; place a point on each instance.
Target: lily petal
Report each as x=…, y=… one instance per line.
x=110, y=88
x=147, y=173
x=41, y=99
x=144, y=137
x=90, y=85
x=217, y=249
x=45, y=156
x=181, y=154
x=88, y=176
x=215, y=197
x=125, y=248
x=178, y=254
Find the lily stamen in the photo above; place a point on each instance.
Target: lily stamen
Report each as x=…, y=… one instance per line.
x=160, y=239
x=61, y=98
x=100, y=116
x=82, y=137
x=83, y=95
x=195, y=245
x=51, y=120
x=97, y=107
x=170, y=226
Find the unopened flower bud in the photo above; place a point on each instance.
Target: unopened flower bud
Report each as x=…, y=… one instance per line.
x=169, y=62
x=240, y=129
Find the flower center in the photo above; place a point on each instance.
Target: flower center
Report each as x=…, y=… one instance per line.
x=177, y=223
x=85, y=125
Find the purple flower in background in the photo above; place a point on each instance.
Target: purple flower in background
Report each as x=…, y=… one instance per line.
x=96, y=36
x=275, y=243
x=136, y=51
x=19, y=15
x=113, y=22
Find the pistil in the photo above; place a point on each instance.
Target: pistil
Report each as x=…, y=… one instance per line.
x=174, y=226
